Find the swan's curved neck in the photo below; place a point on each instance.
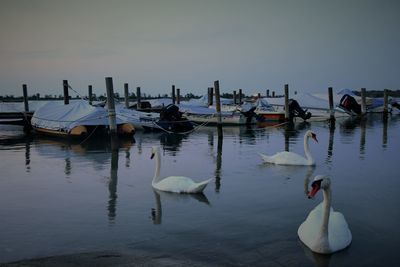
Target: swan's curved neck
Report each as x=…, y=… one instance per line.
x=307, y=152
x=326, y=205
x=157, y=157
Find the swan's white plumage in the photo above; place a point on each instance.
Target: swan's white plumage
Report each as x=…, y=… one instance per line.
x=285, y=158
x=180, y=184
x=322, y=238
x=290, y=158
x=175, y=184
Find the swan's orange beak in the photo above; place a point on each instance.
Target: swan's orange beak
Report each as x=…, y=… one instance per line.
x=314, y=189
x=152, y=156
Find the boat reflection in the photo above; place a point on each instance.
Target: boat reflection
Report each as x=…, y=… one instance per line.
x=156, y=213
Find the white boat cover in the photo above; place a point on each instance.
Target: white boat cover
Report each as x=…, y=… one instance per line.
x=54, y=115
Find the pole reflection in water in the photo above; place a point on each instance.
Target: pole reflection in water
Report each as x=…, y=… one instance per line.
x=112, y=185
x=332, y=128
x=67, y=169
x=219, y=160
x=292, y=130
x=27, y=155
x=363, y=123
x=384, y=132
x=288, y=131
x=156, y=213
x=127, y=158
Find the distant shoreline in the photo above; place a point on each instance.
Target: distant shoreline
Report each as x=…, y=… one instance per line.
x=8, y=98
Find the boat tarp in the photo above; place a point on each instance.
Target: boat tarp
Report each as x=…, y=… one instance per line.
x=57, y=116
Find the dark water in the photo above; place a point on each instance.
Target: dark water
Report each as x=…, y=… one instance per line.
x=58, y=197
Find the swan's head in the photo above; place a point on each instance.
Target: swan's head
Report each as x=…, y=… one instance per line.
x=154, y=150
x=311, y=134
x=320, y=182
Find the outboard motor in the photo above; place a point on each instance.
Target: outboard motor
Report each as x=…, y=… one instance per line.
x=249, y=114
x=170, y=113
x=171, y=119
x=395, y=104
x=296, y=111
x=349, y=103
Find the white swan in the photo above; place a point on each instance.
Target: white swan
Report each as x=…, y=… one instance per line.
x=290, y=158
x=325, y=230
x=175, y=184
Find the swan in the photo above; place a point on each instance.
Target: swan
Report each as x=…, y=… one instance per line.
x=175, y=184
x=324, y=231
x=290, y=158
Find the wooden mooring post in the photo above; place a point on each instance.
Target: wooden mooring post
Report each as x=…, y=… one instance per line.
x=218, y=103
x=234, y=97
x=385, y=103
x=331, y=107
x=138, y=98
x=178, y=96
x=111, y=107
x=27, y=118
x=173, y=94
x=240, y=96
x=287, y=102
x=126, y=95
x=25, y=95
x=90, y=93
x=66, y=95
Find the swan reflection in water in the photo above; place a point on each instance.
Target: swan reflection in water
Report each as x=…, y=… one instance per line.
x=156, y=213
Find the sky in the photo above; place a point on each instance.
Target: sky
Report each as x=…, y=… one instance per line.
x=253, y=45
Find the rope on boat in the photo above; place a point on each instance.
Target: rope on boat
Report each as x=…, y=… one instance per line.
x=90, y=135
x=183, y=133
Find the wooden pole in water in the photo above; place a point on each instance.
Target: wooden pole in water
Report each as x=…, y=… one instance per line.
x=173, y=94
x=111, y=107
x=25, y=94
x=287, y=102
x=234, y=97
x=126, y=93
x=218, y=103
x=138, y=98
x=331, y=107
x=267, y=92
x=178, y=96
x=363, y=101
x=240, y=96
x=90, y=92
x=385, y=103
x=66, y=96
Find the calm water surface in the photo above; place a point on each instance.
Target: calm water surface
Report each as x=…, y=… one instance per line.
x=59, y=197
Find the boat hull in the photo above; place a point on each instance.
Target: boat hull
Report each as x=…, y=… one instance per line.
x=271, y=116
x=81, y=131
x=212, y=119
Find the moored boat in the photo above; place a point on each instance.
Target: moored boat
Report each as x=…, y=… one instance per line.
x=77, y=119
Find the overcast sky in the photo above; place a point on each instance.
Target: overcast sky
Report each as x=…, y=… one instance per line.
x=250, y=44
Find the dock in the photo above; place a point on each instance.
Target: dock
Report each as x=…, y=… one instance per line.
x=17, y=118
